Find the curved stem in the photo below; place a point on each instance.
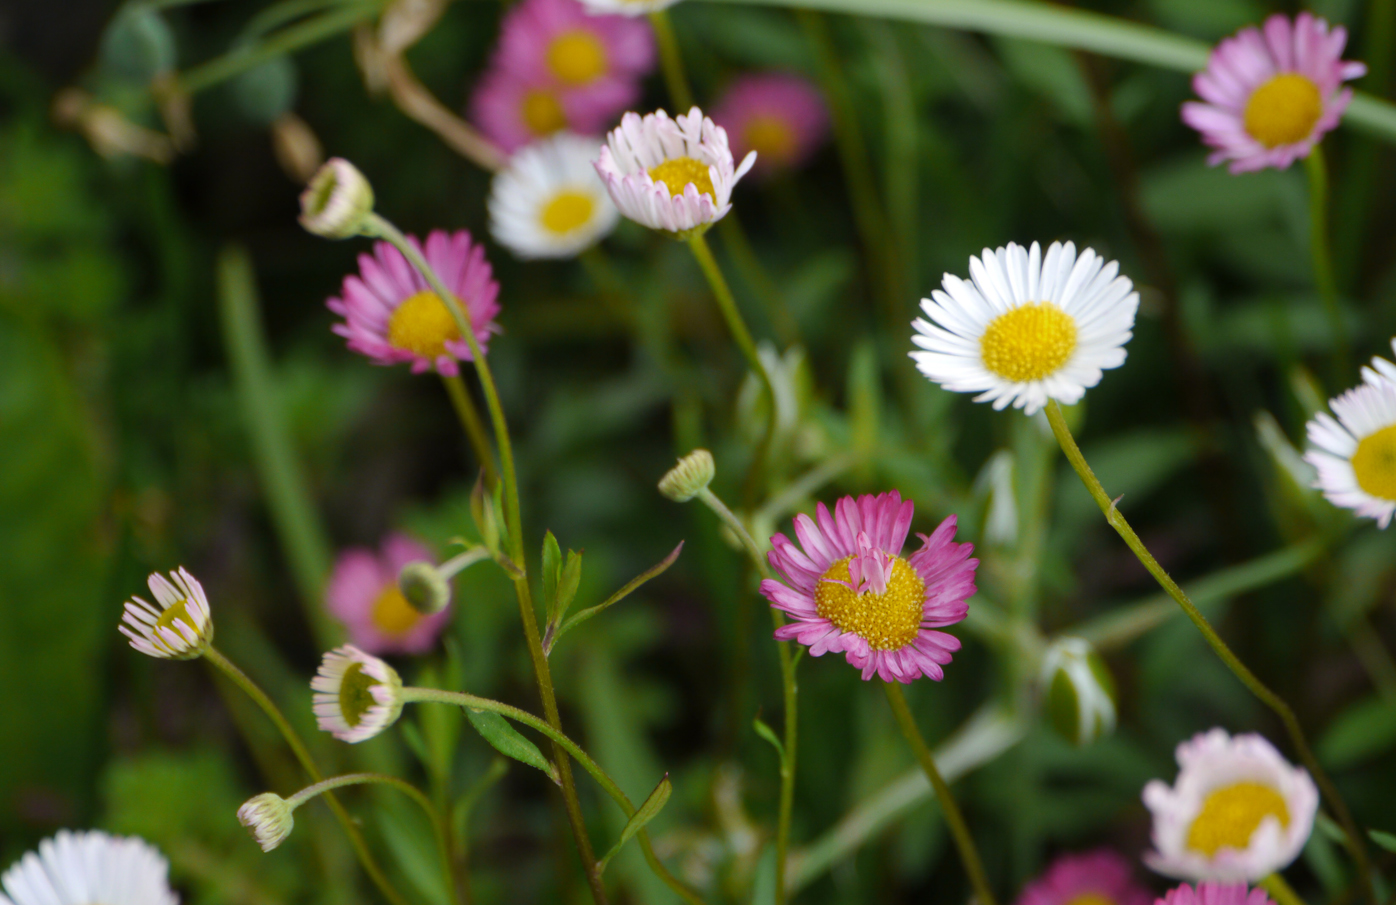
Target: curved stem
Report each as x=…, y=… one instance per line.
x=671, y=61
x=1281, y=891
x=378, y=226
x=470, y=421
x=1324, y=279
x=356, y=839
x=963, y=841
x=1267, y=697
x=608, y=785
x=437, y=820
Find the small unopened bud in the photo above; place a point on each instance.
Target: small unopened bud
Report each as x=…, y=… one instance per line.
x=424, y=587
x=268, y=817
x=337, y=201
x=1080, y=691
x=691, y=476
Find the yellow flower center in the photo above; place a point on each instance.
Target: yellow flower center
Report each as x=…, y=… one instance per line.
x=355, y=697
x=1090, y=898
x=1028, y=343
x=576, y=57
x=422, y=325
x=771, y=138
x=1231, y=814
x=392, y=614
x=1283, y=110
x=887, y=621
x=568, y=210
x=679, y=172
x=542, y=113
x=1375, y=463
x=175, y=612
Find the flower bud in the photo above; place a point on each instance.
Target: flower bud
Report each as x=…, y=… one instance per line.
x=268, y=817
x=424, y=587
x=687, y=479
x=1080, y=693
x=337, y=201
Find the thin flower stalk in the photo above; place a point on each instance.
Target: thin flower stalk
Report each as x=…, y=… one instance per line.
x=1116, y=519
x=473, y=426
x=356, y=839
x=608, y=785
x=381, y=228
x=670, y=60
x=1317, y=169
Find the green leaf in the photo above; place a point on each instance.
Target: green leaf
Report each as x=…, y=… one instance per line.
x=552, y=569
x=646, y=812
x=482, y=512
x=769, y=735
x=568, y=582
x=507, y=741
x=615, y=598
x=1385, y=840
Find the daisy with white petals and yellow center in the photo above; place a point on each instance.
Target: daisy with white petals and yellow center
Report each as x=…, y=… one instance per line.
x=180, y=628
x=1355, y=454
x=357, y=695
x=626, y=7
x=1026, y=328
x=548, y=202
x=89, y=868
x=1237, y=812
x=671, y=174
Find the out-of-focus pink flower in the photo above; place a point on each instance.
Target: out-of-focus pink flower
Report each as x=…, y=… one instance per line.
x=363, y=594
x=781, y=117
x=1100, y=877
x=1215, y=894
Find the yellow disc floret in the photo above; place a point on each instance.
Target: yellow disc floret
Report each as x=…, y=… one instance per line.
x=355, y=696
x=422, y=325
x=680, y=171
x=1231, y=814
x=1283, y=110
x=175, y=612
x=566, y=211
x=392, y=614
x=1028, y=343
x=1375, y=463
x=887, y=621
x=576, y=57
x=771, y=138
x=542, y=113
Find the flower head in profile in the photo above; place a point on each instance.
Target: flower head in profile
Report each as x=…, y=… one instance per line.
x=1024, y=328
x=1215, y=894
x=363, y=594
x=179, y=627
x=80, y=868
x=357, y=695
x=548, y=202
x=851, y=591
x=1100, y=877
x=559, y=41
x=1269, y=96
x=671, y=174
x=337, y=201
x=781, y=117
x=268, y=817
x=391, y=315
x=1355, y=453
x=1238, y=811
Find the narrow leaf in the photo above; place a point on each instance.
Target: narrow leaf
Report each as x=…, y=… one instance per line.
x=620, y=595
x=647, y=812
x=769, y=735
x=567, y=583
x=482, y=512
x=501, y=523
x=1385, y=840
x=507, y=741
x=552, y=569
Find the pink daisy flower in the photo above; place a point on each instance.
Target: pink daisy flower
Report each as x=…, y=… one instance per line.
x=1215, y=894
x=391, y=315
x=1271, y=96
x=781, y=117
x=363, y=594
x=1101, y=877
x=557, y=41
x=850, y=590
x=514, y=111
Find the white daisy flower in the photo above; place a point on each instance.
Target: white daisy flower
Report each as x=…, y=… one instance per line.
x=671, y=174
x=1237, y=812
x=1027, y=329
x=179, y=628
x=1355, y=453
x=86, y=867
x=357, y=695
x=268, y=818
x=548, y=202
x=625, y=7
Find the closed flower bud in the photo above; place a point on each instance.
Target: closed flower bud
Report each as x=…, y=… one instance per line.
x=1080, y=694
x=268, y=817
x=337, y=201
x=691, y=476
x=424, y=587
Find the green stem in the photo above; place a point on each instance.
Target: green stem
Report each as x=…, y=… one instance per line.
x=1267, y=697
x=437, y=820
x=1324, y=279
x=259, y=697
x=969, y=855
x=671, y=61
x=749, y=266
x=379, y=227
x=1281, y=891
x=608, y=785
x=474, y=427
